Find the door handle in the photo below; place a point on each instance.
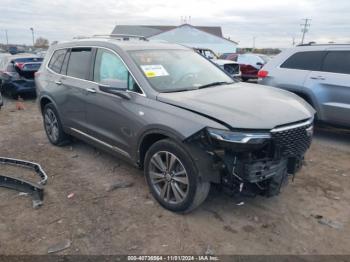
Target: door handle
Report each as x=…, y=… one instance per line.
x=58, y=83
x=91, y=90
x=318, y=78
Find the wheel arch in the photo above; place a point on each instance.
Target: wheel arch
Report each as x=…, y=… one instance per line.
x=149, y=137
x=44, y=101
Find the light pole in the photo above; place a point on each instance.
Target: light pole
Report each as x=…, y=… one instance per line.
x=32, y=29
x=305, y=29
x=7, y=39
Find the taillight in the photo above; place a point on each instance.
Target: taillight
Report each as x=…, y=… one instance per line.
x=262, y=73
x=19, y=65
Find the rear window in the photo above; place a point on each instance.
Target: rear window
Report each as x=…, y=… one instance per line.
x=310, y=60
x=79, y=62
x=28, y=64
x=57, y=60
x=337, y=62
x=28, y=60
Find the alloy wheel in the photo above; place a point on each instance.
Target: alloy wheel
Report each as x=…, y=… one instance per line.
x=51, y=125
x=168, y=177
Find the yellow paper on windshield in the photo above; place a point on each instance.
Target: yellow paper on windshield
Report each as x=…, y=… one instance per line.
x=154, y=70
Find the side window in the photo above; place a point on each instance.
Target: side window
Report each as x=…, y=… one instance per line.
x=310, y=60
x=109, y=67
x=56, y=61
x=65, y=63
x=79, y=62
x=337, y=62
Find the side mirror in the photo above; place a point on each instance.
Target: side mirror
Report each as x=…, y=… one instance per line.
x=115, y=87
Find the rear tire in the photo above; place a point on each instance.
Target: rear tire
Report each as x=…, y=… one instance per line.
x=53, y=126
x=172, y=177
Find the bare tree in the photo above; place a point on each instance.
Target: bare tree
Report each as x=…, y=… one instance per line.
x=41, y=42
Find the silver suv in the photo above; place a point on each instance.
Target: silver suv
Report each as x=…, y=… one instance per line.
x=320, y=74
x=175, y=114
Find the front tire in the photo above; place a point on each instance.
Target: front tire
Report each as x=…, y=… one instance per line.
x=172, y=177
x=53, y=126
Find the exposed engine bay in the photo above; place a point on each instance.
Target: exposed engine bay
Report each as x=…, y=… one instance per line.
x=252, y=162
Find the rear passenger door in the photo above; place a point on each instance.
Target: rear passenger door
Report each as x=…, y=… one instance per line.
x=293, y=73
x=332, y=87
x=75, y=85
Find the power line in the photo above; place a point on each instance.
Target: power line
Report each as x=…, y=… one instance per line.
x=305, y=28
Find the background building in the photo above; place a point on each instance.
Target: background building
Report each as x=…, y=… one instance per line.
x=192, y=36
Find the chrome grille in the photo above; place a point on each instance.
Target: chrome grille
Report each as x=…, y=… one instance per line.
x=293, y=141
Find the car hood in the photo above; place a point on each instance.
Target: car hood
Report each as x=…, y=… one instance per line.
x=243, y=106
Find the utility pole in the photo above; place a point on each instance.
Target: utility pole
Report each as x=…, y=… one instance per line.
x=32, y=29
x=305, y=28
x=7, y=39
x=254, y=37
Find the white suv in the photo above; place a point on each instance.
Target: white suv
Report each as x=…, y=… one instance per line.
x=318, y=73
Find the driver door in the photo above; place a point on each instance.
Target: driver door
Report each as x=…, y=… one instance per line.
x=111, y=118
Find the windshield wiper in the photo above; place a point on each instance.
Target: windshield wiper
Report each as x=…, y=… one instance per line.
x=178, y=90
x=215, y=84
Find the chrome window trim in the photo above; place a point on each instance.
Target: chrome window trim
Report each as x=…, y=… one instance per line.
x=89, y=81
x=114, y=148
x=284, y=128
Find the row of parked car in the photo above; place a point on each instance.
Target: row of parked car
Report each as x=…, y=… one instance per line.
x=320, y=74
x=243, y=66
x=183, y=117
x=317, y=73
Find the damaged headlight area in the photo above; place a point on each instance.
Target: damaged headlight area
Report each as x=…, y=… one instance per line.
x=254, y=162
x=238, y=140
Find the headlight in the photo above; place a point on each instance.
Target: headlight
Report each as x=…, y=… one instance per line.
x=251, y=138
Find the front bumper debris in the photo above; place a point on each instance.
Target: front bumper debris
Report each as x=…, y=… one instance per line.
x=34, y=189
x=251, y=162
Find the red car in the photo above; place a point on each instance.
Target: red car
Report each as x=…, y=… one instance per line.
x=250, y=64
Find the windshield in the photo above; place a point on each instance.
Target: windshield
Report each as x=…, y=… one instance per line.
x=177, y=70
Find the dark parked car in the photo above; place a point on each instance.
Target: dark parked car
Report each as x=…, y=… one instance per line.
x=173, y=113
x=1, y=101
x=17, y=74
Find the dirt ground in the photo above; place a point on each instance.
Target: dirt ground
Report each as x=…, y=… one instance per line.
x=311, y=216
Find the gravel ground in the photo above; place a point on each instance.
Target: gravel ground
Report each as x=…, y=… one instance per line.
x=311, y=216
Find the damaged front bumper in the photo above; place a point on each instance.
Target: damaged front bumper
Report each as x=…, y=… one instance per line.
x=251, y=162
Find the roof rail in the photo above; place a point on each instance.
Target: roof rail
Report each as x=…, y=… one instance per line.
x=124, y=37
x=310, y=43
x=326, y=44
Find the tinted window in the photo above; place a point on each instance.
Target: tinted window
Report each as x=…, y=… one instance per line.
x=79, y=62
x=65, y=63
x=57, y=60
x=337, y=62
x=311, y=60
x=109, y=67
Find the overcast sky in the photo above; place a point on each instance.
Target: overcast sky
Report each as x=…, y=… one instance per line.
x=272, y=23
